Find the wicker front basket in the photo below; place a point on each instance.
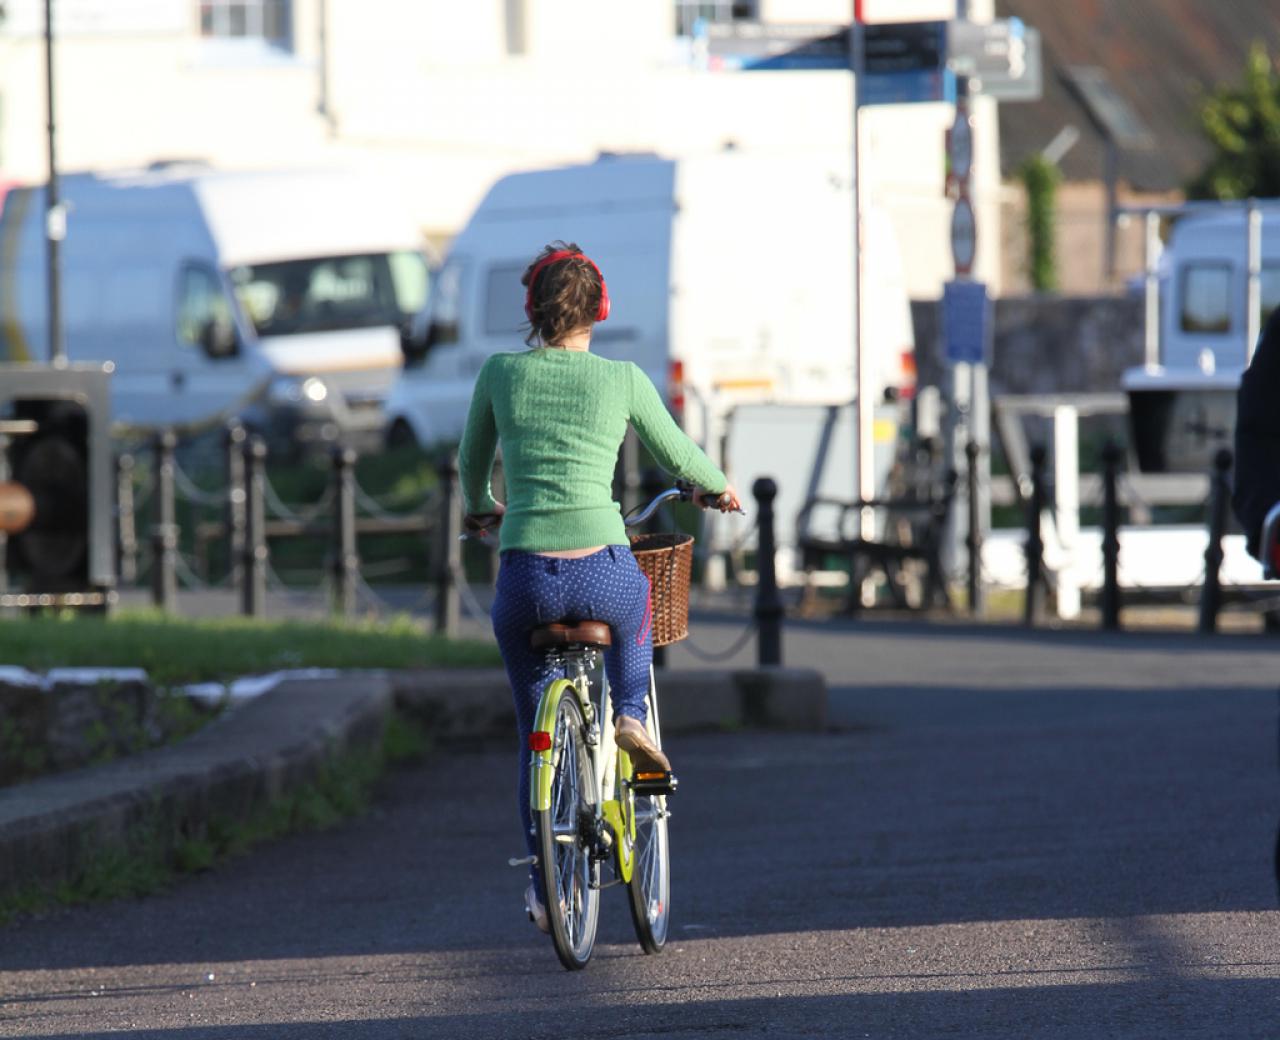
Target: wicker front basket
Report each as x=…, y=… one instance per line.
x=667, y=561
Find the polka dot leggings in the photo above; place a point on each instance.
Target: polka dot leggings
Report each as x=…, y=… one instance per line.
x=532, y=590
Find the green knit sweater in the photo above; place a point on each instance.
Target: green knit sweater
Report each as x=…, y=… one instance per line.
x=560, y=416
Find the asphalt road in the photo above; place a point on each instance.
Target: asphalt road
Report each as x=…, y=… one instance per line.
x=1005, y=834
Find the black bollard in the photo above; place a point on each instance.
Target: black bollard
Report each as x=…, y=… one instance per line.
x=234, y=439
x=626, y=474
x=768, y=609
x=253, y=570
x=126, y=521
x=346, y=559
x=1219, y=496
x=1035, y=542
x=164, y=527
x=1110, y=538
x=974, y=539
x=448, y=554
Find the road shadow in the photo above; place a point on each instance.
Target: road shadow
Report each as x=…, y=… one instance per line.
x=956, y=806
x=1135, y=1007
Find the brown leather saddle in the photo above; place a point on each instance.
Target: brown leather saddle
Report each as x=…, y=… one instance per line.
x=559, y=634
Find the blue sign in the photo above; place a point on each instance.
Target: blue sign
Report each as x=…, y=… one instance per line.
x=966, y=322
x=905, y=63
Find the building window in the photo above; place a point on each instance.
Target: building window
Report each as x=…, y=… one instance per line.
x=267, y=21
x=689, y=12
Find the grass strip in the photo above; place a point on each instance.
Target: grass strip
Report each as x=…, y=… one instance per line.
x=153, y=857
x=183, y=650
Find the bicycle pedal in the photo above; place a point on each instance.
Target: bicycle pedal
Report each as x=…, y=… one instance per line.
x=528, y=861
x=654, y=783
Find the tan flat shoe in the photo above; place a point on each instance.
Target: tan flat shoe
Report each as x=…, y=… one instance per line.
x=634, y=739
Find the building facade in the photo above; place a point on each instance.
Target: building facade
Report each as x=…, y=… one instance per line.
x=447, y=97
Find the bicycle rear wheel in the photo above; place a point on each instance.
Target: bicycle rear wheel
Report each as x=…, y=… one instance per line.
x=650, y=884
x=565, y=832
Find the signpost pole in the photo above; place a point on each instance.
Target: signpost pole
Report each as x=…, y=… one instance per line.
x=54, y=217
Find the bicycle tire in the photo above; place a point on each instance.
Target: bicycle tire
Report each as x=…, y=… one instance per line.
x=649, y=889
x=564, y=850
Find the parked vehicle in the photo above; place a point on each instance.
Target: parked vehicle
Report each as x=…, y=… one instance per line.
x=1182, y=409
x=283, y=298
x=730, y=277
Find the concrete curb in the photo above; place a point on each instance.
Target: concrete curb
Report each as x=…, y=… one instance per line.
x=476, y=703
x=52, y=828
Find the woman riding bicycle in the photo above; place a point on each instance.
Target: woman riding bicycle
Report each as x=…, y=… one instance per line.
x=560, y=414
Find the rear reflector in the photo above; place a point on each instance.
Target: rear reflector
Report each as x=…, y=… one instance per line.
x=539, y=740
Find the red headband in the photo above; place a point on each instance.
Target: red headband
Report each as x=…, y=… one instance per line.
x=602, y=311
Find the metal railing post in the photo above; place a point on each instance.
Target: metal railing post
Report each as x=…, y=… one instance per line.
x=234, y=443
x=1219, y=496
x=253, y=570
x=346, y=559
x=164, y=528
x=973, y=540
x=1110, y=537
x=768, y=609
x=1035, y=542
x=449, y=554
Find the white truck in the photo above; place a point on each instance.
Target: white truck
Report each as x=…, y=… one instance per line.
x=1212, y=270
x=279, y=297
x=730, y=277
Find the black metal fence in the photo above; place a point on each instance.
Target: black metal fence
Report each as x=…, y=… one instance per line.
x=235, y=518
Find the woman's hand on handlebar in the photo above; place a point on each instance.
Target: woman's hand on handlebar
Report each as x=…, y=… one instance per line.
x=727, y=501
x=478, y=525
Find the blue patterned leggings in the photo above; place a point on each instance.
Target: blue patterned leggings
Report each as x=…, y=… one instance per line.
x=533, y=590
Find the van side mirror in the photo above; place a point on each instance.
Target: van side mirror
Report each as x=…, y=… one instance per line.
x=440, y=333
x=218, y=339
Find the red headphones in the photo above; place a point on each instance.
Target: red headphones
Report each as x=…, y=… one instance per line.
x=602, y=311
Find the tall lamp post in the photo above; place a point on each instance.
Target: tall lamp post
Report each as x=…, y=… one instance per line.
x=55, y=221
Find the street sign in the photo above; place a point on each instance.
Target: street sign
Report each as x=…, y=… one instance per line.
x=964, y=235
x=757, y=46
x=966, y=322
x=905, y=63
x=960, y=144
x=1001, y=58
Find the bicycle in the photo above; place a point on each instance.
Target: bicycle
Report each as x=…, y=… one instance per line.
x=591, y=809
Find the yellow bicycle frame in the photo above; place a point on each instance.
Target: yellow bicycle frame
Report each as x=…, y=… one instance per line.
x=618, y=813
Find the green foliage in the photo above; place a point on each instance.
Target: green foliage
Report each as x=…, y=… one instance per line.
x=1242, y=123
x=181, y=650
x=1040, y=180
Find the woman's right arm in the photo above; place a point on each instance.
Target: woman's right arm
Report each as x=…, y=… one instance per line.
x=674, y=449
x=479, y=444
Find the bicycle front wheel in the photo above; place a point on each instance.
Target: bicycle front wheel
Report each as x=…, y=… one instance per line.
x=565, y=833
x=650, y=885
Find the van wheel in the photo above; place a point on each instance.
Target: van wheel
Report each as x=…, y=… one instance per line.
x=401, y=436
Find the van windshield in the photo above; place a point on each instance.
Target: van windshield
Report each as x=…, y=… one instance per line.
x=332, y=292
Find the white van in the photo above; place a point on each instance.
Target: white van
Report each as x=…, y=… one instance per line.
x=730, y=279
x=1182, y=410
x=278, y=297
